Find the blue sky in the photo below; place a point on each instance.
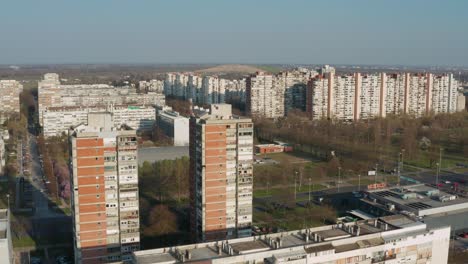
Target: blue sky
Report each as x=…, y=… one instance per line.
x=403, y=32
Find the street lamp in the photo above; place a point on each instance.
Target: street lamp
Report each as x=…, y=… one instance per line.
x=437, y=175
x=295, y=191
x=309, y=188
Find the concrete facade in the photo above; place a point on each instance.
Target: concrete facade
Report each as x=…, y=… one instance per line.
x=174, y=125
x=58, y=120
x=51, y=93
x=361, y=96
x=392, y=239
x=105, y=210
x=10, y=99
x=221, y=174
x=6, y=245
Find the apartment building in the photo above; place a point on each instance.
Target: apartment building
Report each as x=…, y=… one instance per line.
x=2, y=156
x=261, y=98
x=174, y=126
x=390, y=239
x=6, y=245
x=213, y=90
x=10, y=99
x=195, y=92
x=221, y=174
x=54, y=94
x=105, y=210
x=235, y=90
x=58, y=120
x=360, y=96
x=154, y=85
x=273, y=96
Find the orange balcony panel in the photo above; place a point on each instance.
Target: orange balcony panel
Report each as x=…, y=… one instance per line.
x=93, y=243
x=215, y=221
x=93, y=226
x=95, y=161
x=90, y=180
x=97, y=189
x=215, y=199
x=92, y=208
x=217, y=183
x=215, y=160
x=215, y=152
x=84, y=199
x=215, y=191
x=215, y=206
x=215, y=144
x=90, y=171
x=215, y=137
x=93, y=235
x=215, y=214
x=89, y=152
x=95, y=217
x=215, y=128
x=89, y=142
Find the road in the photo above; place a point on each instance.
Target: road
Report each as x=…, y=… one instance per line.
x=40, y=199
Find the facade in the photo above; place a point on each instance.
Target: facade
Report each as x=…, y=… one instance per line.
x=154, y=85
x=104, y=191
x=221, y=174
x=10, y=99
x=203, y=90
x=361, y=96
x=54, y=94
x=6, y=245
x=268, y=148
x=391, y=239
x=58, y=120
x=273, y=96
x=2, y=155
x=174, y=125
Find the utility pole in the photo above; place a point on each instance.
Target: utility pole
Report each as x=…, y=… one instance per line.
x=295, y=192
x=437, y=175
x=440, y=164
x=309, y=189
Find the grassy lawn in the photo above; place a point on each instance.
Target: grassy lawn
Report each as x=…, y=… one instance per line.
x=277, y=191
x=422, y=161
x=24, y=241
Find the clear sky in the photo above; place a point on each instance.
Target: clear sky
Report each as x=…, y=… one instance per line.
x=403, y=32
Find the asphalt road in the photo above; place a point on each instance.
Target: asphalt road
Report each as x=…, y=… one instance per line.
x=153, y=154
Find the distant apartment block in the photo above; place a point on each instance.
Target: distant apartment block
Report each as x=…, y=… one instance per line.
x=273, y=96
x=174, y=126
x=3, y=137
x=203, y=90
x=6, y=245
x=105, y=210
x=360, y=96
x=10, y=91
x=221, y=174
x=51, y=93
x=156, y=86
x=58, y=120
x=390, y=239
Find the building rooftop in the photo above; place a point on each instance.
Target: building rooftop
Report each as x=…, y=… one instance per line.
x=336, y=238
x=419, y=200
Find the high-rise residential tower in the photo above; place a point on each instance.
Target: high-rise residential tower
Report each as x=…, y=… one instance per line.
x=104, y=191
x=221, y=179
x=10, y=91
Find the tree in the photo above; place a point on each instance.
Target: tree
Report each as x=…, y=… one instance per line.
x=161, y=221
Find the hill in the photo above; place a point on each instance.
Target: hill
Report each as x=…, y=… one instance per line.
x=230, y=68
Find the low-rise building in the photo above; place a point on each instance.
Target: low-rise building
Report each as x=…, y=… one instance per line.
x=58, y=120
x=391, y=239
x=419, y=201
x=268, y=148
x=6, y=245
x=174, y=126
